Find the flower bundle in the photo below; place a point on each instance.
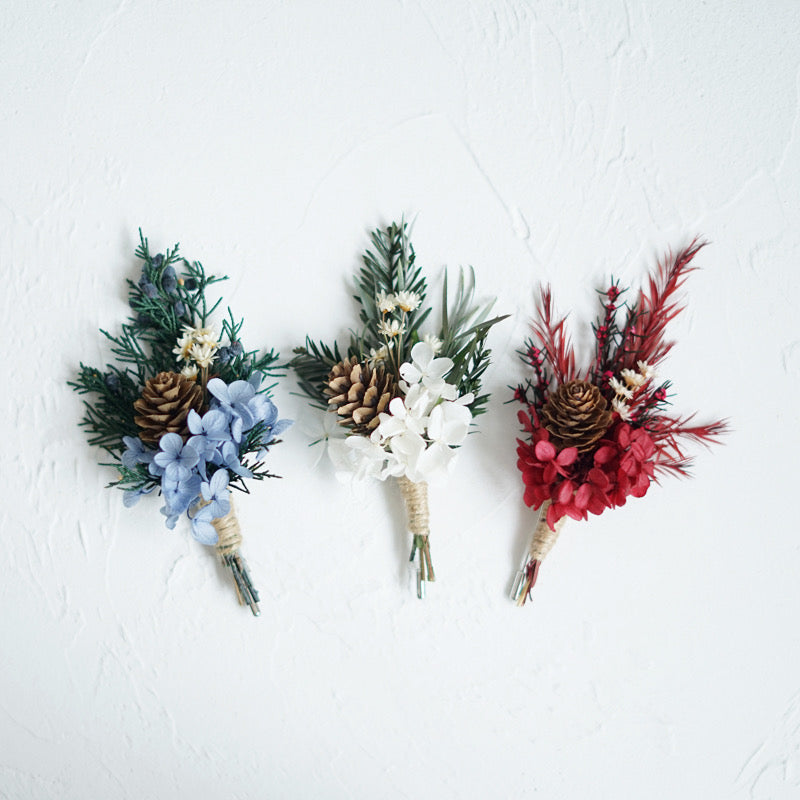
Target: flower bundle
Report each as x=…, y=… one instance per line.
x=405, y=401
x=595, y=437
x=185, y=411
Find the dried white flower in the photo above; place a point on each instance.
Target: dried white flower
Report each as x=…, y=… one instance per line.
x=622, y=408
x=381, y=354
x=190, y=371
x=205, y=338
x=203, y=354
x=620, y=388
x=433, y=342
x=408, y=301
x=647, y=372
x=390, y=329
x=632, y=378
x=386, y=302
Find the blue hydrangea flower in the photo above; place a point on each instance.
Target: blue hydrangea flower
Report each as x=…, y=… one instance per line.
x=131, y=496
x=136, y=453
x=175, y=457
x=273, y=427
x=217, y=496
x=229, y=457
x=180, y=495
x=208, y=431
x=237, y=398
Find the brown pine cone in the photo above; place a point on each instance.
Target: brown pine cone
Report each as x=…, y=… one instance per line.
x=358, y=393
x=164, y=405
x=576, y=415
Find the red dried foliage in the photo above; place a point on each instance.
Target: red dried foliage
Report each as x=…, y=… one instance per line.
x=655, y=307
x=632, y=453
x=555, y=339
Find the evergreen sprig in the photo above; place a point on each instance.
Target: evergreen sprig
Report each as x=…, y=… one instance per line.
x=389, y=269
x=169, y=296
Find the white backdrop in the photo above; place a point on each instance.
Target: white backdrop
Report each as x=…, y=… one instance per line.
x=543, y=141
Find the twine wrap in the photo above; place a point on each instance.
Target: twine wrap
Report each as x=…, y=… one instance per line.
x=228, y=543
x=544, y=537
x=415, y=496
x=229, y=532
x=542, y=541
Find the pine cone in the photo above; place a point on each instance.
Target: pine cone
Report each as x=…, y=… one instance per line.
x=577, y=415
x=164, y=405
x=359, y=393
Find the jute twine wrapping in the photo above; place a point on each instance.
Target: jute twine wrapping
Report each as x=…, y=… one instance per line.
x=544, y=537
x=415, y=496
x=229, y=532
x=416, y=500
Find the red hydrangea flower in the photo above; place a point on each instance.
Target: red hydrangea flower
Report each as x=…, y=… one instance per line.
x=623, y=464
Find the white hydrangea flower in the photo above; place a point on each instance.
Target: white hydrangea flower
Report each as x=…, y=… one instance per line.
x=356, y=456
x=390, y=329
x=449, y=424
x=407, y=448
x=429, y=371
x=434, y=463
x=408, y=414
x=407, y=301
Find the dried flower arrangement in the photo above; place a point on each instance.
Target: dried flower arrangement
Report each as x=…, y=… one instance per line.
x=185, y=411
x=595, y=437
x=405, y=401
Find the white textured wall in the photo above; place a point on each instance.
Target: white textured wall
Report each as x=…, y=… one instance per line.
x=548, y=141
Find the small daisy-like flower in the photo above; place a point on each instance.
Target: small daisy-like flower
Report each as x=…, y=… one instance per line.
x=646, y=371
x=622, y=408
x=620, y=388
x=381, y=354
x=408, y=301
x=434, y=342
x=184, y=345
x=206, y=336
x=390, y=329
x=203, y=354
x=190, y=371
x=632, y=378
x=386, y=302
x=192, y=338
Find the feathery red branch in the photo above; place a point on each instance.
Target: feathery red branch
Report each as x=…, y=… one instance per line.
x=655, y=307
x=555, y=339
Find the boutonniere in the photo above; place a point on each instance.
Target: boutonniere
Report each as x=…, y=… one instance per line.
x=404, y=396
x=185, y=411
x=597, y=435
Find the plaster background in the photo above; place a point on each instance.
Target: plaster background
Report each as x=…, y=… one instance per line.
x=544, y=141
